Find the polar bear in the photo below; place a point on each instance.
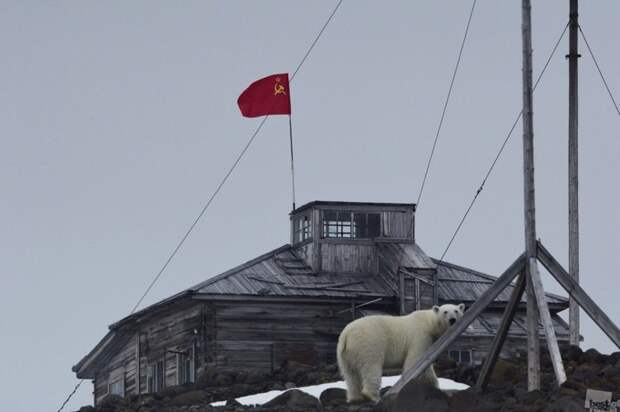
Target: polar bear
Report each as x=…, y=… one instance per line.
x=369, y=344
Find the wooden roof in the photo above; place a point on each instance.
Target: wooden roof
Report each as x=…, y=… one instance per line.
x=487, y=324
x=282, y=273
x=461, y=284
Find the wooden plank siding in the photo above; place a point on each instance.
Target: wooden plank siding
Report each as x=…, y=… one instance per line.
x=121, y=365
x=348, y=258
x=397, y=225
x=175, y=330
x=264, y=335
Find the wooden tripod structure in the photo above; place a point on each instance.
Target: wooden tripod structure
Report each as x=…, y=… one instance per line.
x=525, y=267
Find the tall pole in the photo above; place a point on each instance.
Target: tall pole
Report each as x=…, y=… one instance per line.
x=573, y=168
x=290, y=135
x=533, y=342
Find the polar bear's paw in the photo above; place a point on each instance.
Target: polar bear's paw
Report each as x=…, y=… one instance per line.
x=372, y=396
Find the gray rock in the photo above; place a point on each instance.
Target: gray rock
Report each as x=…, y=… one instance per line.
x=233, y=402
x=529, y=396
x=610, y=370
x=572, y=353
x=469, y=400
x=294, y=399
x=593, y=356
x=333, y=396
x=421, y=396
x=223, y=379
x=566, y=404
x=254, y=377
x=189, y=398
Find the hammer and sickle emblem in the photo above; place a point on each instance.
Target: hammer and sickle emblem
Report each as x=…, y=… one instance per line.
x=278, y=88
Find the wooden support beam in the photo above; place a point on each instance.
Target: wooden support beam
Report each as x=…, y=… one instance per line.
x=416, y=276
x=573, y=167
x=580, y=295
x=418, y=304
x=500, y=337
x=529, y=203
x=401, y=292
x=545, y=318
x=457, y=329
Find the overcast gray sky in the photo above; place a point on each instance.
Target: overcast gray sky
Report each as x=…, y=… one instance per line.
x=119, y=119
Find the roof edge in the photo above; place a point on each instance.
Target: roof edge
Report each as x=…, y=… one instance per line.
x=343, y=203
x=491, y=277
x=236, y=269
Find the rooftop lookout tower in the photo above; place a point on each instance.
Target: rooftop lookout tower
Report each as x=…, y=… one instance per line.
x=371, y=239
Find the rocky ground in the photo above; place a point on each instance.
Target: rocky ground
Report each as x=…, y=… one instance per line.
x=507, y=389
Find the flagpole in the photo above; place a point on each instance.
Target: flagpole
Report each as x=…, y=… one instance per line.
x=290, y=133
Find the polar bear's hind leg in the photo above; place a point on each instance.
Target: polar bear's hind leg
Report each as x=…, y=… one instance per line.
x=350, y=374
x=371, y=381
x=353, y=382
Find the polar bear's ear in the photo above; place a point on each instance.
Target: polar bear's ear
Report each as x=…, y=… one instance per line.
x=436, y=309
x=462, y=307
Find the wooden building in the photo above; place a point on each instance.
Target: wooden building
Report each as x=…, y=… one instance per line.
x=344, y=260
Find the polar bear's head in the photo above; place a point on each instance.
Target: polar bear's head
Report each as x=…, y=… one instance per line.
x=449, y=314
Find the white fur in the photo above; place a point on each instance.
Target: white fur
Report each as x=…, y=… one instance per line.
x=368, y=345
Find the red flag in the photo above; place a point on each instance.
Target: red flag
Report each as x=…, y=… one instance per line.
x=270, y=95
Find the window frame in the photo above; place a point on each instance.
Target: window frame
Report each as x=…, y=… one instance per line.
x=460, y=353
x=116, y=377
x=302, y=228
x=154, y=382
x=186, y=366
x=346, y=229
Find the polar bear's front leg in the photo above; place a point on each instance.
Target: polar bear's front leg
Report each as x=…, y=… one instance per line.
x=427, y=376
x=430, y=377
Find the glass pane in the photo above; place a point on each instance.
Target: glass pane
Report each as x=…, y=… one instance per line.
x=454, y=355
x=337, y=224
x=374, y=225
x=116, y=388
x=344, y=216
x=360, y=225
x=465, y=356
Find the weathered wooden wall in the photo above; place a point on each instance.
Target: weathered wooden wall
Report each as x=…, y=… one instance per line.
x=122, y=365
x=175, y=330
x=397, y=225
x=479, y=346
x=265, y=335
x=305, y=251
x=348, y=256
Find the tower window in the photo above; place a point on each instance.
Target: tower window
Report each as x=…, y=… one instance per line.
x=337, y=224
x=347, y=224
x=367, y=225
x=303, y=228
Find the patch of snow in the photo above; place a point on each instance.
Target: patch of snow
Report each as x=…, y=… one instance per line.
x=316, y=390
